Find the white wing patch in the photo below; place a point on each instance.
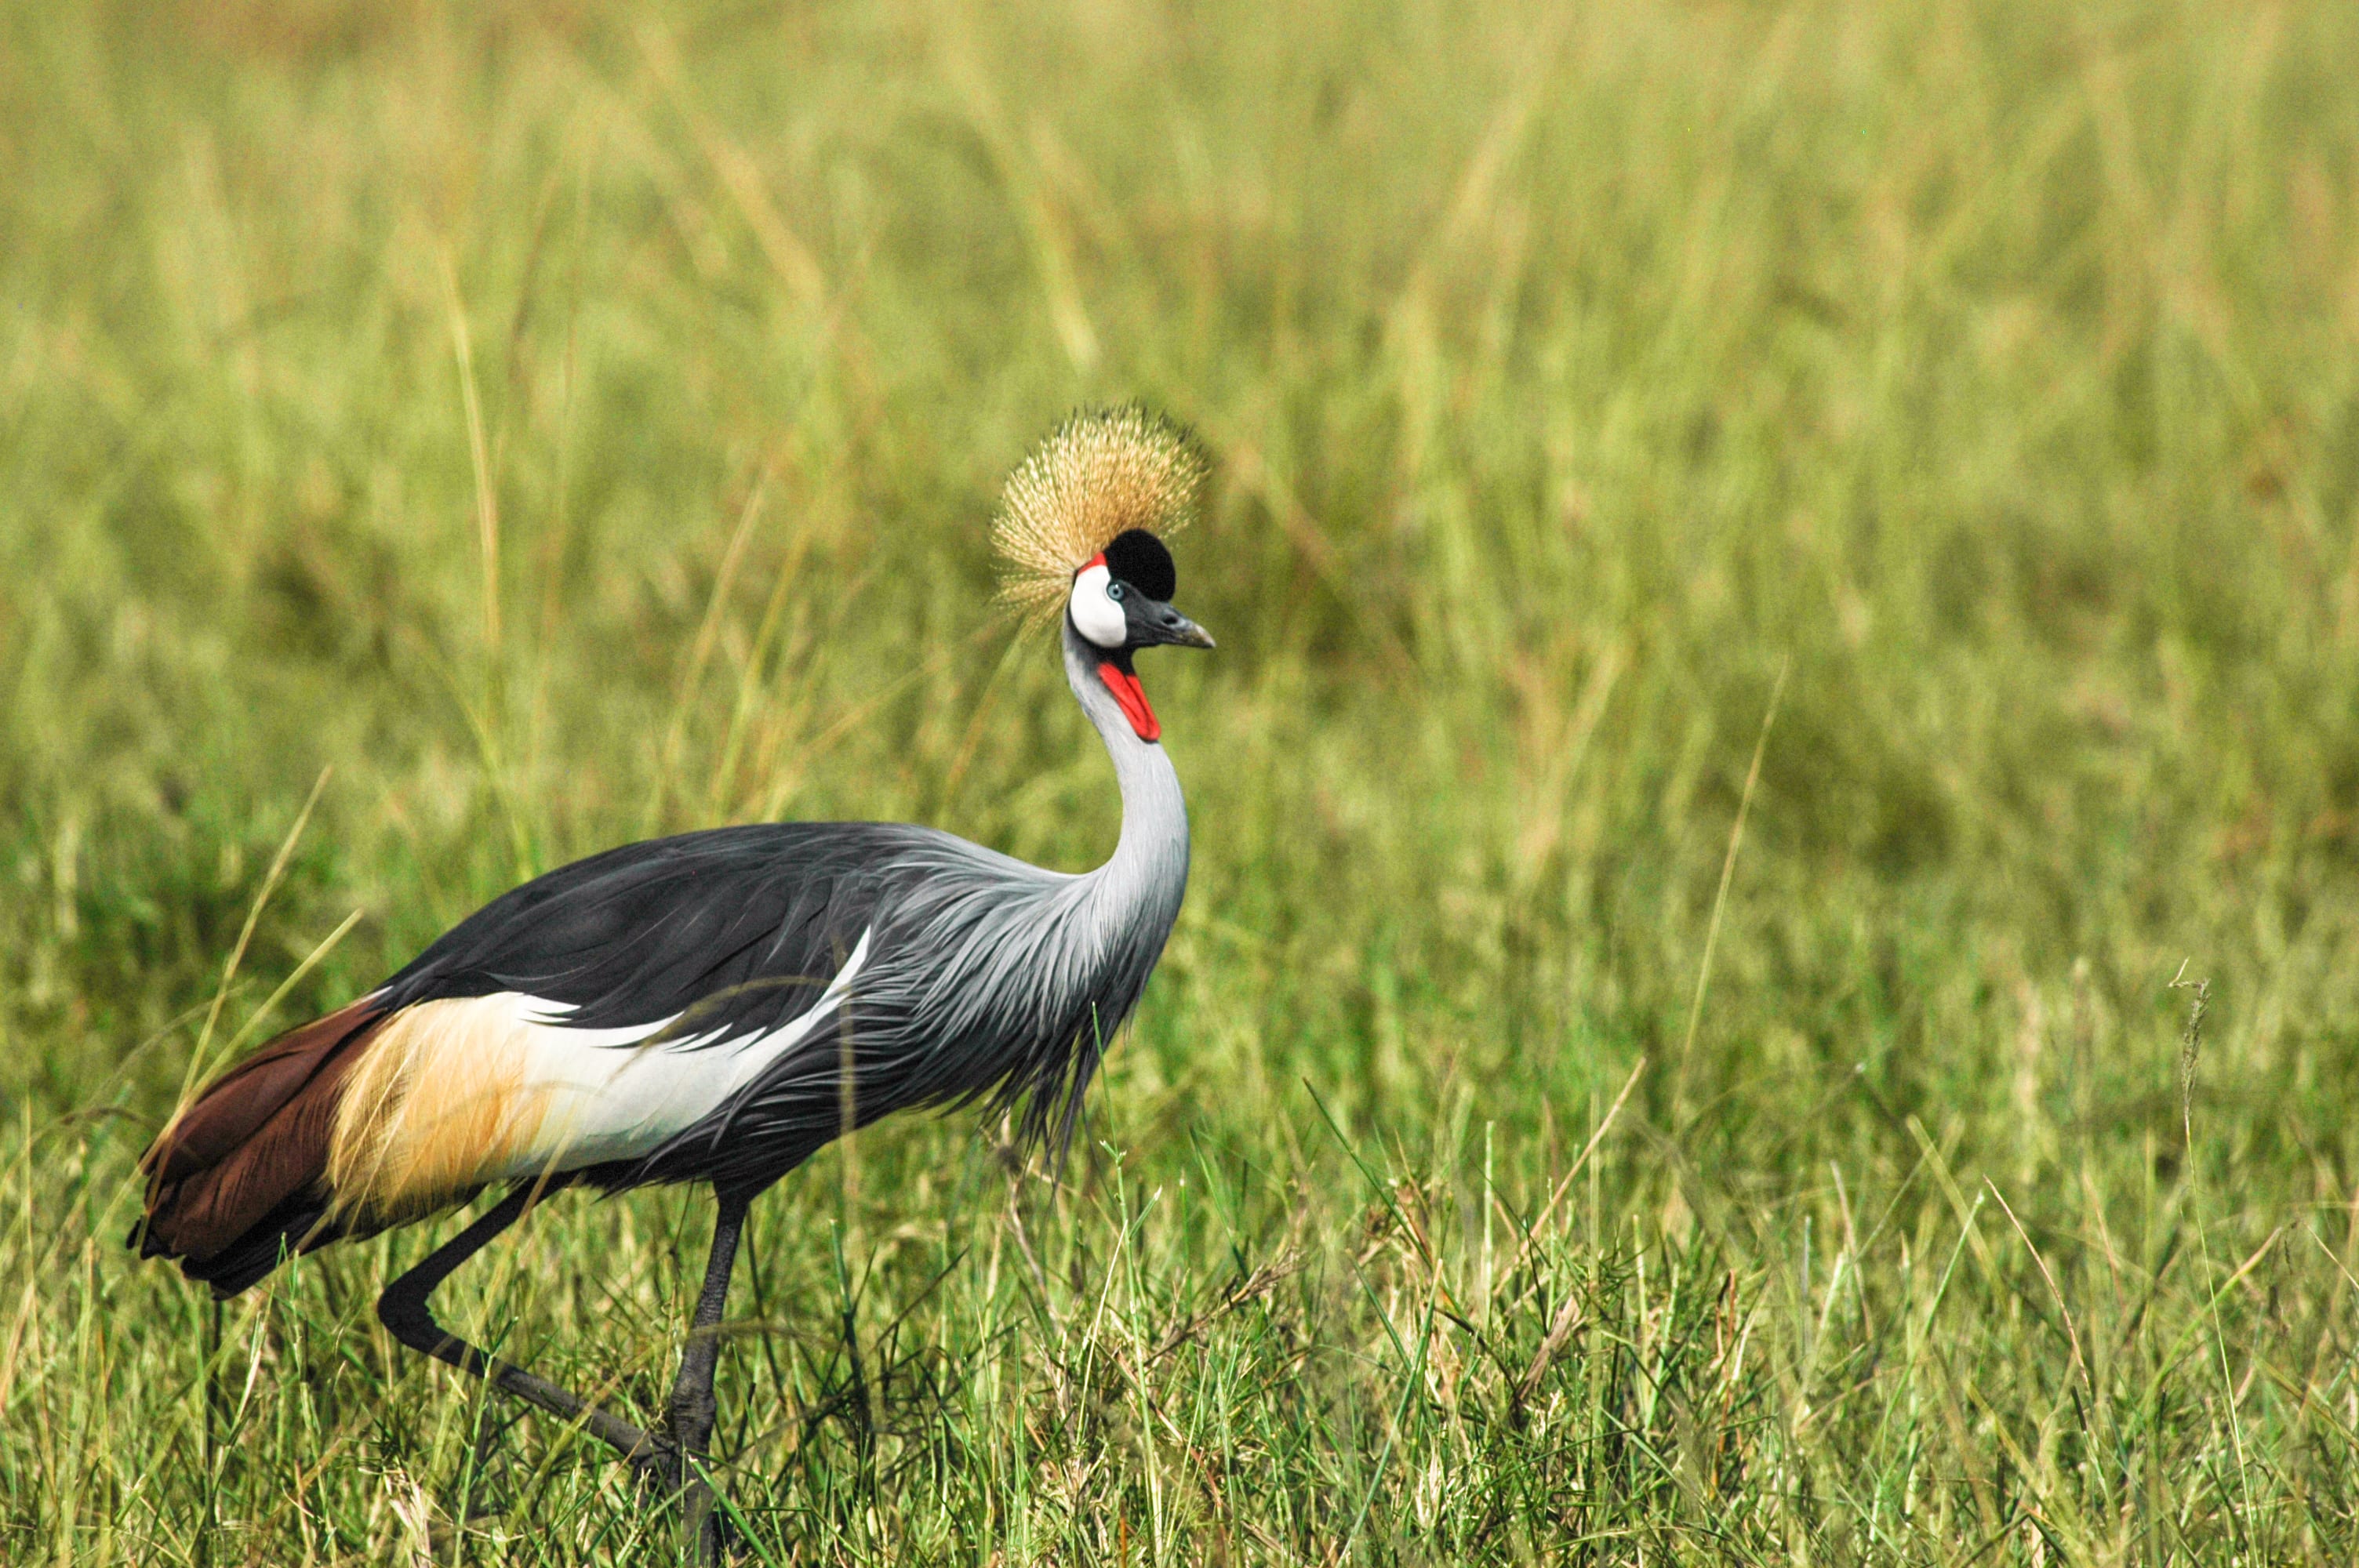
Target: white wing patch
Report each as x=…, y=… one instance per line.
x=605, y=1102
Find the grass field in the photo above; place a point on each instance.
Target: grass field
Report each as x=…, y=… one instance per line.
x=1920, y=434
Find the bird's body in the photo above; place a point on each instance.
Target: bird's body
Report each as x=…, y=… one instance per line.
x=716, y=1006
x=712, y=1007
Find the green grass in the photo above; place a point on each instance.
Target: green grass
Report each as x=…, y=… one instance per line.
x=561, y=426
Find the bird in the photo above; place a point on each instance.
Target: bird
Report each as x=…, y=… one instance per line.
x=717, y=1006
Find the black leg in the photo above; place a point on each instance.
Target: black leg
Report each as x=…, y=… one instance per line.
x=403, y=1309
x=692, y=1404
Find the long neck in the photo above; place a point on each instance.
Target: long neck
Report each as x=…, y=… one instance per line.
x=1149, y=871
x=1050, y=966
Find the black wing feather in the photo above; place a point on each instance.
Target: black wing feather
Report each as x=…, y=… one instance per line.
x=741, y=927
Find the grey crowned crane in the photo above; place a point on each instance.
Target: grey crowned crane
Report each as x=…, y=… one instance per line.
x=717, y=1007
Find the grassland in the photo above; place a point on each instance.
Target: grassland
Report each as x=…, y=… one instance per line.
x=1924, y=434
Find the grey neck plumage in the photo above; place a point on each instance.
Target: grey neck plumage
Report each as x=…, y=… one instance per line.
x=1003, y=981
x=1149, y=871
x=1115, y=918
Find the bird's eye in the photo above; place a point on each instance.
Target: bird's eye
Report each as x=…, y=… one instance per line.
x=1113, y=591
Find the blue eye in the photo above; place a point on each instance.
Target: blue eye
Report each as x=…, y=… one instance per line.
x=1113, y=591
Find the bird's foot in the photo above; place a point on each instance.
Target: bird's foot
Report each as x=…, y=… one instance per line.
x=655, y=1470
x=665, y=1478
x=717, y=1538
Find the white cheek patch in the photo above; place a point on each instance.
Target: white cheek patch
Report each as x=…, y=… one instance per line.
x=1095, y=613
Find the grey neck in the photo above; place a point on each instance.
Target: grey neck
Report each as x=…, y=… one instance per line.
x=1149, y=871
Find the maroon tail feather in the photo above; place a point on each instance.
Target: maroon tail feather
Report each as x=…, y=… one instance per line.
x=253, y=1146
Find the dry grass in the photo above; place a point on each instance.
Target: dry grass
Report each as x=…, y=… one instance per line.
x=572, y=424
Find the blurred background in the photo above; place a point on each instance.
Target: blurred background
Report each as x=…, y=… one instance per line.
x=1795, y=559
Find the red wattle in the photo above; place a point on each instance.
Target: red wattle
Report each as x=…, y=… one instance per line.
x=1133, y=697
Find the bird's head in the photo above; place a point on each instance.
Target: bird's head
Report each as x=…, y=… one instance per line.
x=1121, y=602
x=1082, y=523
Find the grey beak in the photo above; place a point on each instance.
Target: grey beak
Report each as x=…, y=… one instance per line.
x=1175, y=630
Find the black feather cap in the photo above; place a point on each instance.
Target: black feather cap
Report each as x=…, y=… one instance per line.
x=1139, y=559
